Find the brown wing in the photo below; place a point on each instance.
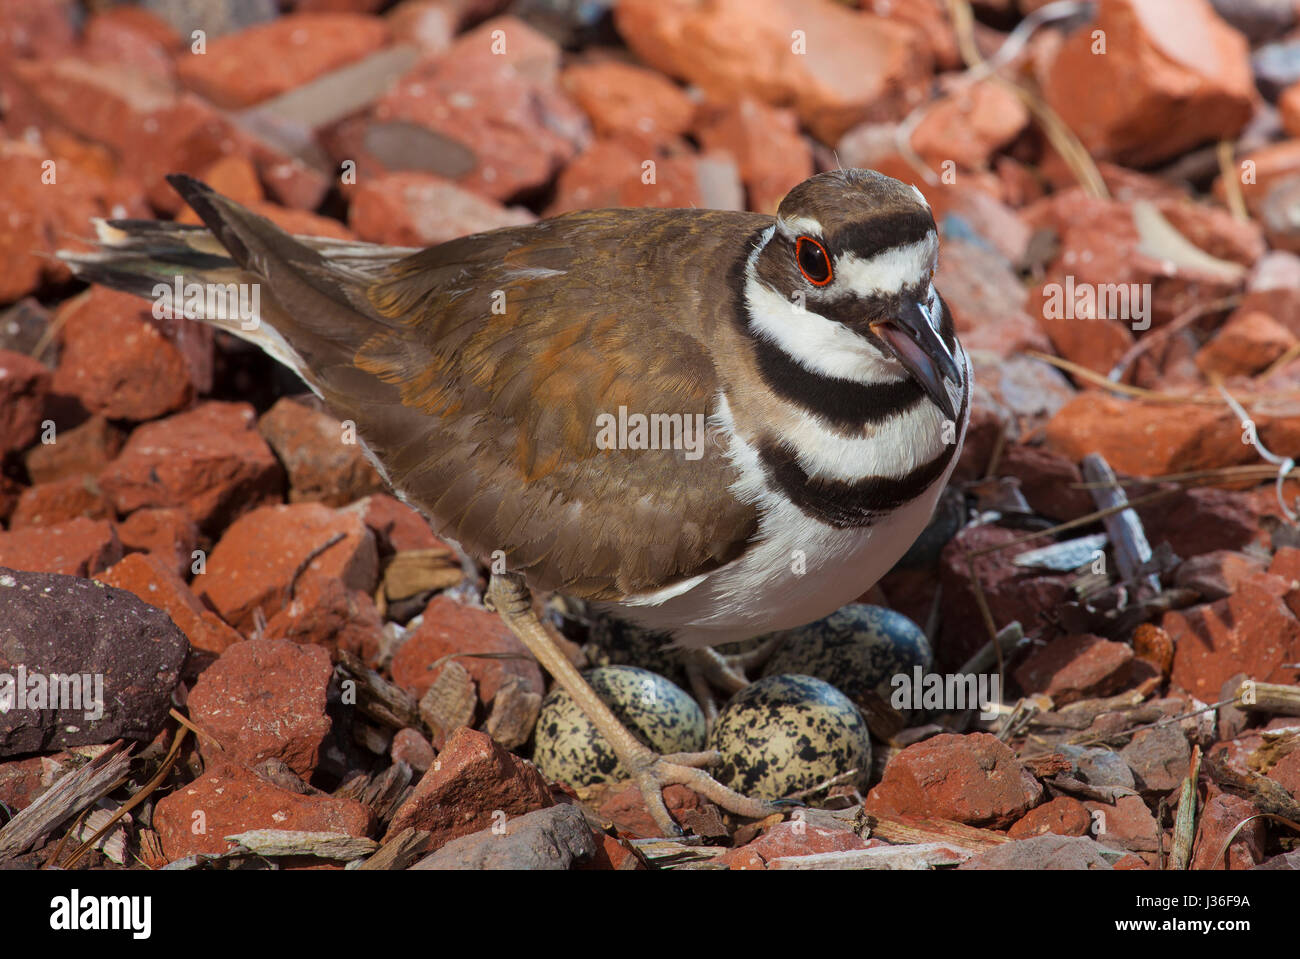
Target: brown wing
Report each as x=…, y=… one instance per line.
x=499, y=355
x=476, y=371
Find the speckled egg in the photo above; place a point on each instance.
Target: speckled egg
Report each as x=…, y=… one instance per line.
x=659, y=713
x=856, y=649
x=949, y=517
x=787, y=733
x=616, y=642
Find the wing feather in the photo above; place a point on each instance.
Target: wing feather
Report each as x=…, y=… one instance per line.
x=503, y=449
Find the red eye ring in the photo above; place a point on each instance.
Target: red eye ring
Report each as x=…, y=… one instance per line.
x=812, y=270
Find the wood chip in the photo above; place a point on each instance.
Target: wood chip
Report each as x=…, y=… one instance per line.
x=1064, y=557
x=1180, y=855
x=751, y=831
x=1278, y=743
x=287, y=842
x=372, y=738
x=333, y=95
x=1009, y=638
x=415, y=571
x=883, y=720
x=920, y=856
x=400, y=145
x=686, y=853
x=1160, y=239
x=384, y=702
x=514, y=713
x=400, y=851
x=945, y=832
x=151, y=851
x=279, y=773
x=1267, y=794
x=387, y=790
x=705, y=821
x=1084, y=713
x=1128, y=539
x=1269, y=698
x=113, y=843
x=1076, y=787
x=66, y=798
x=449, y=703
x=1048, y=764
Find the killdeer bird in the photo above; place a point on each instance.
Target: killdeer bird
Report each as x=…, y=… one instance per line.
x=715, y=424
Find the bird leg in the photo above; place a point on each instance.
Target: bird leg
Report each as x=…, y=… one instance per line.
x=707, y=669
x=508, y=595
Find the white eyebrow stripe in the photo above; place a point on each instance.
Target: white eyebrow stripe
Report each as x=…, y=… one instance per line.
x=800, y=226
x=889, y=271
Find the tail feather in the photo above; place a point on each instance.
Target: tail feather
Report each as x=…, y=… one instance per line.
x=319, y=315
x=329, y=305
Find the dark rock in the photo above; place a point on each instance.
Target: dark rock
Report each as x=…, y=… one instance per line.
x=24, y=384
x=1290, y=860
x=1276, y=67
x=128, y=656
x=1126, y=823
x=1218, y=820
x=1197, y=521
x=1159, y=758
x=1045, y=480
x=214, y=19
x=1259, y=20
x=553, y=838
x=1099, y=767
x=1012, y=592
x=1042, y=852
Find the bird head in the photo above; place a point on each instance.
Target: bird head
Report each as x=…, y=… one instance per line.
x=858, y=249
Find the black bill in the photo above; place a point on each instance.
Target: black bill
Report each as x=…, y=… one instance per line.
x=912, y=339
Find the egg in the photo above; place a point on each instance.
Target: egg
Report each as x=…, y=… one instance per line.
x=616, y=642
x=949, y=517
x=784, y=734
x=659, y=713
x=857, y=649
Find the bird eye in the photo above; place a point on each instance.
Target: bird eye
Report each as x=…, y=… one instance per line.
x=813, y=262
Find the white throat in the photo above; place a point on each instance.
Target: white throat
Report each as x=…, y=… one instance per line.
x=817, y=344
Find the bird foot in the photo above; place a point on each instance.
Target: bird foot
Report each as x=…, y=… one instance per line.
x=652, y=773
x=707, y=670
x=508, y=595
